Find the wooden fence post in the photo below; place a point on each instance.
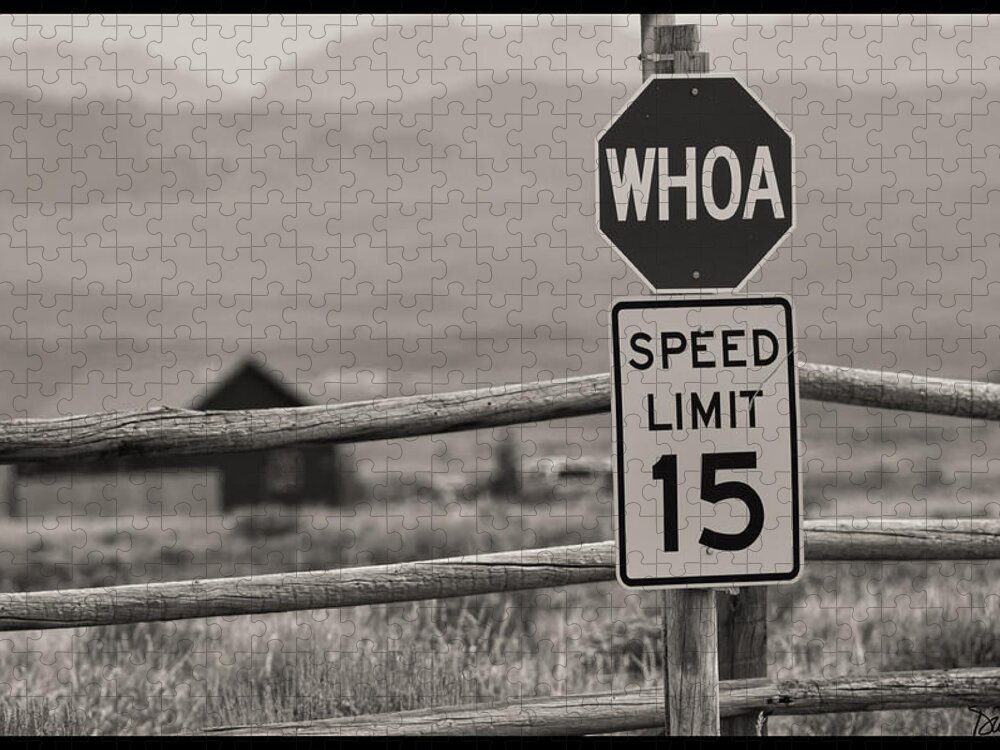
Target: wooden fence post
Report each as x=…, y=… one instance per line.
x=691, y=662
x=743, y=649
x=690, y=622
x=700, y=623
x=667, y=48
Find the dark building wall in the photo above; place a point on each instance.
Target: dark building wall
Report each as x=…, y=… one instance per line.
x=295, y=476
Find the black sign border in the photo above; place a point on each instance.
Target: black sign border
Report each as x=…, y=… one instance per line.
x=793, y=413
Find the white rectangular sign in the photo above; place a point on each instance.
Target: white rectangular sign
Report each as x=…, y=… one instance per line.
x=705, y=412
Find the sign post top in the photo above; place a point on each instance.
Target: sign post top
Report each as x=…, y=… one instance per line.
x=694, y=182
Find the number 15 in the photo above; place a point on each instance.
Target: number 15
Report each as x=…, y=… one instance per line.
x=665, y=469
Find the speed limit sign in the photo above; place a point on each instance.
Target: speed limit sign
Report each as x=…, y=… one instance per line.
x=705, y=412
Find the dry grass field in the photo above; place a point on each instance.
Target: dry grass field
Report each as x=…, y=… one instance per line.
x=182, y=676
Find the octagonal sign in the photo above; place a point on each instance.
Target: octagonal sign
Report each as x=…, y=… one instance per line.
x=694, y=183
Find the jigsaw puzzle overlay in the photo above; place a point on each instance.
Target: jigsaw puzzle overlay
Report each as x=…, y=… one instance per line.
x=269, y=210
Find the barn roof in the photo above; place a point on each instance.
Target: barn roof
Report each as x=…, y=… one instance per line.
x=249, y=385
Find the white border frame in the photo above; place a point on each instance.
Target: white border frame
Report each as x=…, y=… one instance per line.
x=597, y=183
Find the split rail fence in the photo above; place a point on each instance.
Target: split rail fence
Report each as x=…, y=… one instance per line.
x=168, y=431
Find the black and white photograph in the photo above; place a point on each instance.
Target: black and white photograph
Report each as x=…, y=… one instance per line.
x=499, y=375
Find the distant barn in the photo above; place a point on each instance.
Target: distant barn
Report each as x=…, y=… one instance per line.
x=297, y=475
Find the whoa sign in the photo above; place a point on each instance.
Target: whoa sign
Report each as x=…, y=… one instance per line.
x=694, y=183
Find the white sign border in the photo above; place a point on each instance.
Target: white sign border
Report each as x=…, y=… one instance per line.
x=617, y=475
x=597, y=183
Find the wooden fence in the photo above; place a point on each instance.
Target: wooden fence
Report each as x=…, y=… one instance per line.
x=168, y=431
x=643, y=709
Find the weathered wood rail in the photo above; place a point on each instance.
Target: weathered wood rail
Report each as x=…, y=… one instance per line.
x=175, y=432
x=552, y=567
x=643, y=709
x=180, y=432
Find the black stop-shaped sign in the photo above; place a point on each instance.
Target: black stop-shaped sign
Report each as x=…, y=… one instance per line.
x=694, y=182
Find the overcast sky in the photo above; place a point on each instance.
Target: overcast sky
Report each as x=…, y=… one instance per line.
x=734, y=41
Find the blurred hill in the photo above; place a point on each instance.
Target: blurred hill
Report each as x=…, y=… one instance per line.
x=384, y=209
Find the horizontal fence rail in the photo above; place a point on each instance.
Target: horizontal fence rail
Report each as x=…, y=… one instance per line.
x=643, y=709
x=829, y=540
x=168, y=431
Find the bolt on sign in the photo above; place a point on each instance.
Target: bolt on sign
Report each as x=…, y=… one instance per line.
x=694, y=183
x=704, y=408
